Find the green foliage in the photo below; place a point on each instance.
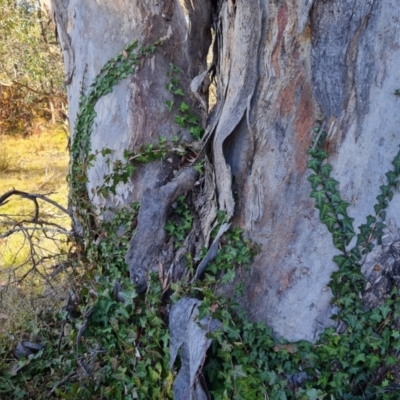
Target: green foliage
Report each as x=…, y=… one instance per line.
x=367, y=345
x=115, y=349
x=118, y=347
x=113, y=71
x=31, y=68
x=245, y=362
x=332, y=209
x=122, y=170
x=180, y=223
x=132, y=341
x=185, y=119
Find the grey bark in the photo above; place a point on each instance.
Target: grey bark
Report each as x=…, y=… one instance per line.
x=281, y=66
x=188, y=335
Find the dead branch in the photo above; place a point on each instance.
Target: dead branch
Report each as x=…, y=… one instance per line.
x=33, y=230
x=40, y=222
x=25, y=229
x=33, y=197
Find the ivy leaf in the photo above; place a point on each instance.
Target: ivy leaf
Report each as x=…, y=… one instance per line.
x=238, y=372
x=229, y=276
x=330, y=183
x=181, y=121
x=341, y=208
x=338, y=242
x=314, y=164
x=179, y=92
x=359, y=357
x=319, y=196
x=326, y=169
x=370, y=220
x=375, y=315
x=384, y=205
x=325, y=210
x=318, y=154
x=321, y=154
x=312, y=152
x=197, y=132
x=335, y=289
x=347, y=224
x=337, y=235
x=395, y=334
x=183, y=107
x=169, y=104
x=315, y=180
x=105, y=151
x=330, y=222
x=335, y=198
x=363, y=236
x=392, y=176
x=385, y=310
x=378, y=208
x=396, y=163
x=342, y=261
x=356, y=276
x=384, y=189
x=381, y=199
x=389, y=360
x=314, y=394
x=355, y=254
x=348, y=236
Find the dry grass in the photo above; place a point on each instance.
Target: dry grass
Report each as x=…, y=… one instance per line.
x=35, y=164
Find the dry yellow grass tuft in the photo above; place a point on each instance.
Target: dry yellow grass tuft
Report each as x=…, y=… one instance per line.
x=35, y=164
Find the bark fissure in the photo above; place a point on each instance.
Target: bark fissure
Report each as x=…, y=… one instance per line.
x=338, y=28
x=149, y=249
x=145, y=252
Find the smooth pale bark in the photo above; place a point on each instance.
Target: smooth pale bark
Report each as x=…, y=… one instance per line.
x=282, y=66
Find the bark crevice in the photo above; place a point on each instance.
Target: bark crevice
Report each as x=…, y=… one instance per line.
x=147, y=249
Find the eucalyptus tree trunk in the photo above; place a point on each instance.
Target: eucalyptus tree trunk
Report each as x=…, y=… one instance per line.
x=280, y=68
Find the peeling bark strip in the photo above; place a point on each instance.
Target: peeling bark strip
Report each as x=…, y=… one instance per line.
x=237, y=77
x=188, y=335
x=212, y=252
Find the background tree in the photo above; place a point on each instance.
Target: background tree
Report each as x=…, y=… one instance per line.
x=31, y=77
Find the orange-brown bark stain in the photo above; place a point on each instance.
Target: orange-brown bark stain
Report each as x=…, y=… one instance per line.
x=285, y=101
x=282, y=19
x=303, y=123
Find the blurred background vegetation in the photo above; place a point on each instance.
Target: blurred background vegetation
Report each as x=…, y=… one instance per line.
x=31, y=69
x=33, y=159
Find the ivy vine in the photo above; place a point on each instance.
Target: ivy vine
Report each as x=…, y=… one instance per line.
x=113, y=72
x=126, y=335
